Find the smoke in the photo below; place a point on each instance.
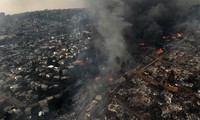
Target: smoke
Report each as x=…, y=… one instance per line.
x=123, y=23
x=137, y=20
x=191, y=23
x=19, y=6
x=153, y=18
x=108, y=16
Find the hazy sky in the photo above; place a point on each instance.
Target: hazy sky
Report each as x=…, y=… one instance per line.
x=17, y=6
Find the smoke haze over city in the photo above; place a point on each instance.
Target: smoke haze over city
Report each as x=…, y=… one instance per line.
x=18, y=6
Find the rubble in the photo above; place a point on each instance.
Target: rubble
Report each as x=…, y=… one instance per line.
x=163, y=84
x=45, y=64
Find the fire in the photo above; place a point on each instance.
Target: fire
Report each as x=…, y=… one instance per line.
x=165, y=37
x=179, y=35
x=160, y=51
x=110, y=78
x=79, y=62
x=173, y=36
x=142, y=44
x=97, y=78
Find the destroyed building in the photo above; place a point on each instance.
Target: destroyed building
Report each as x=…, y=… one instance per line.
x=50, y=70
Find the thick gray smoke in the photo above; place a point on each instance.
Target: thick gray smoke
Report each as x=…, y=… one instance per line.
x=149, y=19
x=108, y=16
x=191, y=23
x=123, y=23
x=153, y=18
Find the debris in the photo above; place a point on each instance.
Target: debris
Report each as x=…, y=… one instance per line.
x=98, y=97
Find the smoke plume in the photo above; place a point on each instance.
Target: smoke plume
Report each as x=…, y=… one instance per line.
x=123, y=23
x=108, y=16
x=190, y=23
x=149, y=20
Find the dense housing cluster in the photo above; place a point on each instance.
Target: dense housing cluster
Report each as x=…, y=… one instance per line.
x=49, y=69
x=39, y=53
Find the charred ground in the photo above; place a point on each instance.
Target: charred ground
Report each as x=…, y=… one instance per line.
x=52, y=68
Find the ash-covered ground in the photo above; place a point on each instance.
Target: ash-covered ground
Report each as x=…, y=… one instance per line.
x=76, y=65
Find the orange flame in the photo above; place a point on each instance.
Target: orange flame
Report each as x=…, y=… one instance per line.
x=179, y=34
x=165, y=37
x=159, y=51
x=173, y=36
x=79, y=62
x=97, y=78
x=110, y=78
x=142, y=44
